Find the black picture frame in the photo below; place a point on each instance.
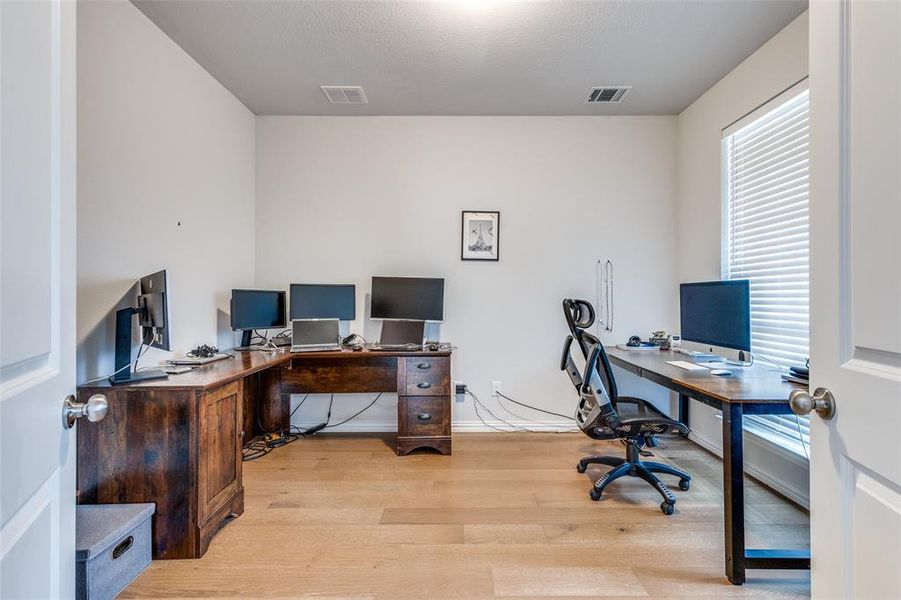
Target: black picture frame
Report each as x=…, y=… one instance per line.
x=491, y=255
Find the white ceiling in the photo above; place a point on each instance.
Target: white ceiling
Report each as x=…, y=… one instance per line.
x=470, y=57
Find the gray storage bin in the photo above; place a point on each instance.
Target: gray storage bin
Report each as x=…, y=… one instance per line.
x=112, y=547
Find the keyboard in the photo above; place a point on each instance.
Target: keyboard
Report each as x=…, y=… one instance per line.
x=689, y=369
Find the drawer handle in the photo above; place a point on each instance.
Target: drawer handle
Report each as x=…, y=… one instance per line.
x=123, y=547
x=424, y=385
x=424, y=366
x=424, y=417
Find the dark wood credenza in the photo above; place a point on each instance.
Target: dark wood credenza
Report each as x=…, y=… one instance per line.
x=177, y=442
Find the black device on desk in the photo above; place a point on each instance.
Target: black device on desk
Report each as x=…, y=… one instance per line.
x=153, y=317
x=405, y=304
x=257, y=309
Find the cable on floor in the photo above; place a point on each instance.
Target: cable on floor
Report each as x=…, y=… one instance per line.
x=357, y=414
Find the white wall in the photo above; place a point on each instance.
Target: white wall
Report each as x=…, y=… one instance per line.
x=340, y=199
x=165, y=181
x=777, y=65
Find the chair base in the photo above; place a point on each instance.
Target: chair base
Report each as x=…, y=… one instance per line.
x=633, y=466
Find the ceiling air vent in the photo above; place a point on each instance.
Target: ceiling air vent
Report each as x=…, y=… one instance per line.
x=607, y=93
x=344, y=94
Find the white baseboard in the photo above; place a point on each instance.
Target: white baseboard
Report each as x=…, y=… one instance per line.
x=355, y=426
x=360, y=426
x=542, y=426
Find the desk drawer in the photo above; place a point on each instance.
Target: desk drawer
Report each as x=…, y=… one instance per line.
x=427, y=376
x=425, y=416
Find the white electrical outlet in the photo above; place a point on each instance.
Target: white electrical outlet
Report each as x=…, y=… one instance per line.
x=460, y=397
x=495, y=388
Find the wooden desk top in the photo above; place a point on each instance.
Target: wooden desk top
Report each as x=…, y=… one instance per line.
x=758, y=384
x=246, y=363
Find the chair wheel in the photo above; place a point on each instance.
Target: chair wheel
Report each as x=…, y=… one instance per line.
x=667, y=508
x=685, y=484
x=581, y=468
x=594, y=494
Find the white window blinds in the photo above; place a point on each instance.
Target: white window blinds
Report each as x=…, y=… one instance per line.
x=765, y=184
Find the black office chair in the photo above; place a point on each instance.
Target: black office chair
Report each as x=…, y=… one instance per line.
x=603, y=414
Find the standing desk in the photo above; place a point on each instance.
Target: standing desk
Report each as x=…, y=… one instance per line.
x=177, y=442
x=754, y=390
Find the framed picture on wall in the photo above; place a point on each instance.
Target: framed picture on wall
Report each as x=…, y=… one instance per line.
x=481, y=235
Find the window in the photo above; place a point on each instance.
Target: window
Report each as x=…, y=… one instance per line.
x=767, y=235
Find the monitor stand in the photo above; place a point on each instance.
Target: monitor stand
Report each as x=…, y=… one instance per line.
x=402, y=332
x=123, y=374
x=246, y=346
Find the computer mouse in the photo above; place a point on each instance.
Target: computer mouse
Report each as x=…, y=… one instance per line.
x=721, y=372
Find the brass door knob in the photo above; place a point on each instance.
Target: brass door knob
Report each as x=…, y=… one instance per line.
x=822, y=401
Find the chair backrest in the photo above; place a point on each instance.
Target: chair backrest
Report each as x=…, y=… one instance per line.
x=579, y=315
x=601, y=365
x=596, y=386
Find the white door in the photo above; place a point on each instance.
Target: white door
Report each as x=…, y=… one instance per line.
x=855, y=321
x=37, y=298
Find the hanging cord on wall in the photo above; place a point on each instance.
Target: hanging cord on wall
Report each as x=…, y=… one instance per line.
x=608, y=291
x=603, y=292
x=513, y=428
x=547, y=412
x=501, y=404
x=478, y=403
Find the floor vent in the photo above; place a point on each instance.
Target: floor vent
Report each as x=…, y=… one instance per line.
x=344, y=94
x=607, y=93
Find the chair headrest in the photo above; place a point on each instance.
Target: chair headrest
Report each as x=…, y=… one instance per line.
x=579, y=314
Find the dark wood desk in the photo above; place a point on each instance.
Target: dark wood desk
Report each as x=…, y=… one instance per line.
x=177, y=442
x=754, y=390
x=422, y=381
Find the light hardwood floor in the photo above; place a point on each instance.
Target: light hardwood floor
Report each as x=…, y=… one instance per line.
x=340, y=516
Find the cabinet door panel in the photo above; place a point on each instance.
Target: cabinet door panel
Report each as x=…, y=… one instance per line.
x=219, y=451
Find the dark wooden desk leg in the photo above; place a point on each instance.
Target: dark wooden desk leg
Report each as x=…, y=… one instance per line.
x=683, y=408
x=734, y=493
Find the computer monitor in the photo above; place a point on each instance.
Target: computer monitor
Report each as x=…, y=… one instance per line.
x=716, y=313
x=407, y=299
x=257, y=309
x=323, y=301
x=151, y=308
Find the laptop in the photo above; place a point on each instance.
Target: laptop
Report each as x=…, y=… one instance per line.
x=315, y=335
x=198, y=360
